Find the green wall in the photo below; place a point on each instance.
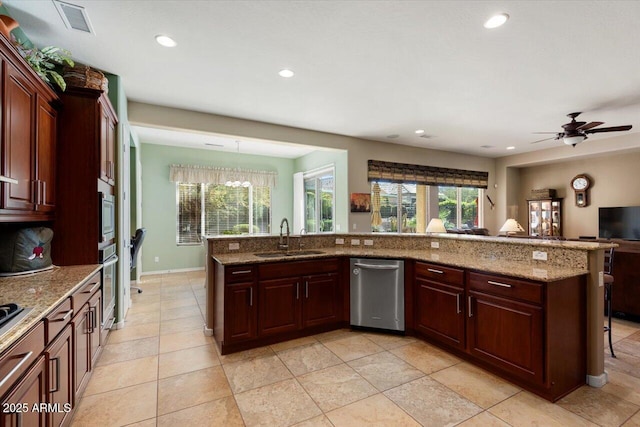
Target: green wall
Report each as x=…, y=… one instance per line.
x=340, y=160
x=159, y=200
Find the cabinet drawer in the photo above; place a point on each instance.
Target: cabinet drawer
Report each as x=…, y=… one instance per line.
x=82, y=295
x=440, y=273
x=58, y=319
x=506, y=287
x=15, y=361
x=239, y=273
x=298, y=268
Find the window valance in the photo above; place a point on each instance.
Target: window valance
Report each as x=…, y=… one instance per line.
x=219, y=175
x=426, y=175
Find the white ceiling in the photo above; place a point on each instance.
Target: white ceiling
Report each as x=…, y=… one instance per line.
x=370, y=69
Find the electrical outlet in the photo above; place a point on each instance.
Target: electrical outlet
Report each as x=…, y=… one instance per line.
x=234, y=246
x=339, y=241
x=354, y=226
x=355, y=242
x=540, y=255
x=156, y=259
x=368, y=242
x=435, y=245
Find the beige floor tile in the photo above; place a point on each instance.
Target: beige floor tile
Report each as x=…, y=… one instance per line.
x=134, y=332
x=123, y=374
x=598, y=406
x=425, y=357
x=333, y=335
x=376, y=410
x=118, y=407
x=182, y=325
x=128, y=350
x=280, y=404
x=389, y=341
x=190, y=389
x=249, y=374
x=628, y=346
x=221, y=412
x=475, y=384
x=177, y=303
x=139, y=318
x=623, y=385
x=151, y=422
x=176, y=293
x=182, y=340
x=483, y=419
x=144, y=306
x=286, y=345
x=623, y=362
x=319, y=421
x=180, y=312
x=525, y=409
x=633, y=421
x=246, y=355
x=353, y=347
x=187, y=360
x=336, y=386
x=431, y=403
x=385, y=370
x=302, y=360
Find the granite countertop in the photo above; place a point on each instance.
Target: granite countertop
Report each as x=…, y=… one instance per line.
x=547, y=273
x=41, y=292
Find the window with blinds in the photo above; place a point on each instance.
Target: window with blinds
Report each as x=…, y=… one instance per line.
x=216, y=209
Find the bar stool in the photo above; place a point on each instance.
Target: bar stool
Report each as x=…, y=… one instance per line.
x=608, y=284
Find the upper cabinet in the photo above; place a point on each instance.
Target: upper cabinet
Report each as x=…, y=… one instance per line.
x=28, y=119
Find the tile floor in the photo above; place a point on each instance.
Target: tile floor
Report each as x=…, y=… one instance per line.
x=160, y=370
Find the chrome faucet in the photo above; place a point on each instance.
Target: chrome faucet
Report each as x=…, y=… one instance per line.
x=281, y=244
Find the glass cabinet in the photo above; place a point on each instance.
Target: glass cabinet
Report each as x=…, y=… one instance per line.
x=545, y=217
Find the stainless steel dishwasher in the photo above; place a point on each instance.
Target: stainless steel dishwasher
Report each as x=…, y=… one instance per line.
x=377, y=293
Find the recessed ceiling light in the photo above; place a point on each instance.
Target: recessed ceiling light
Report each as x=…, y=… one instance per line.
x=496, y=20
x=286, y=73
x=419, y=131
x=511, y=148
x=165, y=41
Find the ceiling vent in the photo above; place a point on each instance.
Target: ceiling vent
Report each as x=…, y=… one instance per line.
x=74, y=17
x=425, y=136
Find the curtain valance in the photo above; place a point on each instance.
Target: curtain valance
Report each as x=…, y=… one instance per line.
x=219, y=175
x=426, y=175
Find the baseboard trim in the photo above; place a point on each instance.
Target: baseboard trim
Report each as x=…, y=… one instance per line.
x=207, y=331
x=177, y=270
x=598, y=380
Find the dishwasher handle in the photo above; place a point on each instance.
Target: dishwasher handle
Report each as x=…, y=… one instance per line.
x=377, y=267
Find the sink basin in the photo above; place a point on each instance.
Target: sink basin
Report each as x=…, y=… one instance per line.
x=283, y=254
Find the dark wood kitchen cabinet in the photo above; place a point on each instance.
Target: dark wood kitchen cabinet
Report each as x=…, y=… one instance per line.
x=439, y=303
x=19, y=403
x=61, y=387
x=28, y=118
x=238, y=306
x=322, y=294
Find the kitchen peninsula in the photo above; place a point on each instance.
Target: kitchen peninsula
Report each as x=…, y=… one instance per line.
x=537, y=323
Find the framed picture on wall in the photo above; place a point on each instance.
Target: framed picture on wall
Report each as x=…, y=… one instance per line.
x=360, y=202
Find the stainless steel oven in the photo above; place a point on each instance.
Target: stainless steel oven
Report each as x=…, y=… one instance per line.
x=107, y=216
x=109, y=261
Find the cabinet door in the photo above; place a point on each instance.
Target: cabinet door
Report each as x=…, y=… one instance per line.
x=81, y=324
x=240, y=312
x=107, y=144
x=321, y=296
x=94, y=332
x=18, y=149
x=17, y=406
x=439, y=312
x=506, y=334
x=61, y=387
x=279, y=306
x=45, y=157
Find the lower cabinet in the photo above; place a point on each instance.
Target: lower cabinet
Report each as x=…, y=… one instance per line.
x=21, y=406
x=322, y=293
x=279, y=306
x=86, y=337
x=61, y=386
x=241, y=312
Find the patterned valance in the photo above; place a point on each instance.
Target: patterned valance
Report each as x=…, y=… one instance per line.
x=426, y=175
x=218, y=175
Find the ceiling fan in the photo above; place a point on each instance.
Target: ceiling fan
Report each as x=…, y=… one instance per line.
x=575, y=132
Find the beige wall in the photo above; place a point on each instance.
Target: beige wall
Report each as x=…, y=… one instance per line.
x=359, y=150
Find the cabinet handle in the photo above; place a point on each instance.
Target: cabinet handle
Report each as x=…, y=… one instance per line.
x=16, y=368
x=470, y=313
x=89, y=317
x=8, y=179
x=18, y=419
x=306, y=289
x=95, y=286
x=94, y=318
x=433, y=270
x=57, y=376
x=297, y=290
x=250, y=297
x=458, y=304
x=241, y=272
x=43, y=195
x=504, y=285
x=65, y=317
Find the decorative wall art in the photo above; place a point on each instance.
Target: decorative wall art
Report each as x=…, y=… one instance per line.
x=360, y=202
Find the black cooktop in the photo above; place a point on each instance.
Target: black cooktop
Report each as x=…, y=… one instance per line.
x=8, y=312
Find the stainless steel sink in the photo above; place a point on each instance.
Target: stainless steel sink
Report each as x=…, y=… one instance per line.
x=285, y=254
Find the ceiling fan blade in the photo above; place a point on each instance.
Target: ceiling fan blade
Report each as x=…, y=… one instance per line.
x=542, y=133
x=545, y=139
x=609, y=129
x=590, y=125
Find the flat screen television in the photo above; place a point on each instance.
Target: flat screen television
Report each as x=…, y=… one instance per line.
x=619, y=223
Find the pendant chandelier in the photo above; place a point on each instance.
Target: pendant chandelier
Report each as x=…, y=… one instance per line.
x=236, y=183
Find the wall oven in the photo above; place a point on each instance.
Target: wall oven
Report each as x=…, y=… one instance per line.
x=107, y=216
x=109, y=261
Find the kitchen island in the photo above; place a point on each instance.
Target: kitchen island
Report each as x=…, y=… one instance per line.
x=549, y=313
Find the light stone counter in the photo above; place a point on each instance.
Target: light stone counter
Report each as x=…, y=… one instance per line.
x=42, y=292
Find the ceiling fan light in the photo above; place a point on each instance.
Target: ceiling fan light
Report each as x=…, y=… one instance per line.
x=573, y=140
x=496, y=20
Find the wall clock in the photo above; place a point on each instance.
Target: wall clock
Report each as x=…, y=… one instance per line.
x=580, y=184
